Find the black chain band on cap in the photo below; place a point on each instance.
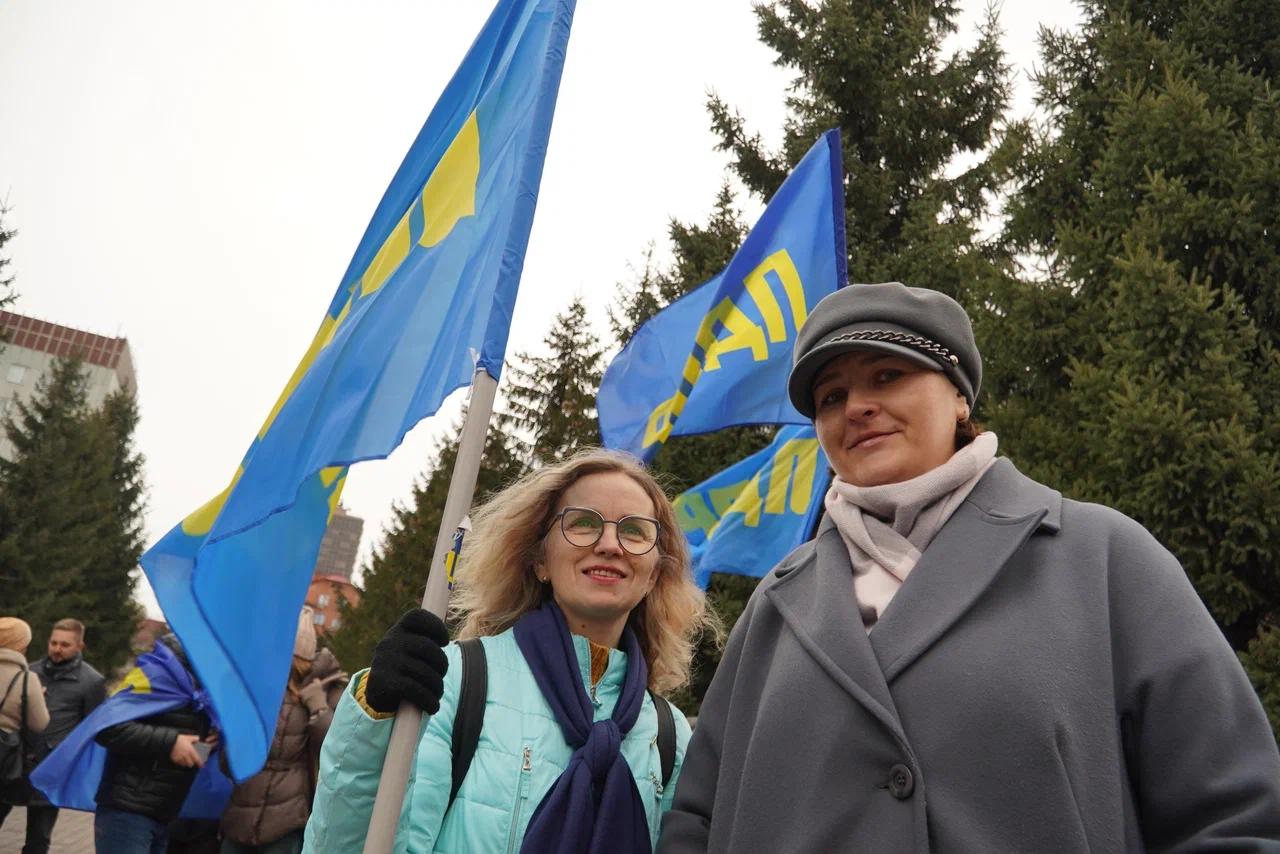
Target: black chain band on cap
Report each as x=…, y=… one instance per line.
x=916, y=342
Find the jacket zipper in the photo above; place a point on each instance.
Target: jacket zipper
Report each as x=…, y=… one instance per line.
x=522, y=794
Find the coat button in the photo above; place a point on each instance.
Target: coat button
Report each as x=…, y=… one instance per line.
x=901, y=782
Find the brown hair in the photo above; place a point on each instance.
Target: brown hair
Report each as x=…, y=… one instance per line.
x=496, y=584
x=966, y=431
x=68, y=624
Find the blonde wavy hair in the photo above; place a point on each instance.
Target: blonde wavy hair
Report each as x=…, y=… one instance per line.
x=496, y=584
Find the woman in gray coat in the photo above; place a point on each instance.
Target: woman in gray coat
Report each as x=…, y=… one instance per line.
x=962, y=659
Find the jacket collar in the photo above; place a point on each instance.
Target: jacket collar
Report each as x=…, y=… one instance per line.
x=69, y=669
x=610, y=684
x=966, y=556
x=12, y=656
x=817, y=600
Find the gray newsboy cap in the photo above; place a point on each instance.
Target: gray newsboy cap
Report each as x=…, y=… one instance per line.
x=927, y=327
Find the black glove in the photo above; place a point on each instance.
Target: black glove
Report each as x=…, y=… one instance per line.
x=409, y=664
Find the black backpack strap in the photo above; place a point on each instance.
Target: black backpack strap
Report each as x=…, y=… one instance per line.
x=468, y=719
x=666, y=737
x=12, y=682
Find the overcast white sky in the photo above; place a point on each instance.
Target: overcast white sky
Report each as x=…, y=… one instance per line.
x=195, y=177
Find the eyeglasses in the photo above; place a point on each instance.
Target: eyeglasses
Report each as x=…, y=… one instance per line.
x=583, y=527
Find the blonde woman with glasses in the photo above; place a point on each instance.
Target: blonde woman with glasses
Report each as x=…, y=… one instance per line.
x=576, y=580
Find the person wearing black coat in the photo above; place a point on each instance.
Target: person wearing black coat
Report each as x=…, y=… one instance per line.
x=151, y=764
x=73, y=689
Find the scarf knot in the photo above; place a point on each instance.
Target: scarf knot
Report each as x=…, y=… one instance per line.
x=602, y=749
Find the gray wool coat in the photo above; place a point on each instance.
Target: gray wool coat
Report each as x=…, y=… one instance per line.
x=1045, y=680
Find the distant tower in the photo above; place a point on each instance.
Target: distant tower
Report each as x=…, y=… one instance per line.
x=331, y=579
x=340, y=545
x=31, y=345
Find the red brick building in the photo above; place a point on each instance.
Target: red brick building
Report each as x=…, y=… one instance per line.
x=30, y=347
x=323, y=596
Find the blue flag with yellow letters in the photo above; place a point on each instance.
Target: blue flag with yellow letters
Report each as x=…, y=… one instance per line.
x=748, y=517
x=69, y=775
x=427, y=299
x=719, y=356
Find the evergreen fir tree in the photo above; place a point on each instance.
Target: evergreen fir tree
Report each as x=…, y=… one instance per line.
x=1136, y=362
x=7, y=294
x=908, y=113
x=70, y=505
x=550, y=400
x=698, y=254
x=114, y=575
x=396, y=575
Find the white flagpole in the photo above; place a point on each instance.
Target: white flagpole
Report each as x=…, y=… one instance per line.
x=402, y=747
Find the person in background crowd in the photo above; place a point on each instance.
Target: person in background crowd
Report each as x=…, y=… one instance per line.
x=73, y=689
x=151, y=764
x=268, y=812
x=329, y=672
x=962, y=659
x=576, y=581
x=20, y=689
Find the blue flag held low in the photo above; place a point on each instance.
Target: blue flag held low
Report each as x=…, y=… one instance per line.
x=69, y=776
x=719, y=356
x=747, y=518
x=426, y=301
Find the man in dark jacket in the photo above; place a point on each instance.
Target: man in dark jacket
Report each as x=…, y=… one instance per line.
x=73, y=689
x=151, y=764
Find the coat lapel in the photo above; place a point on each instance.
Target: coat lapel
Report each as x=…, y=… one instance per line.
x=965, y=557
x=817, y=602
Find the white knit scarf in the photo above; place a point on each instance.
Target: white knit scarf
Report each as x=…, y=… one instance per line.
x=886, y=528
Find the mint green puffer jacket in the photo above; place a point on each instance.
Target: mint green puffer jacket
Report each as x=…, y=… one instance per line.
x=520, y=755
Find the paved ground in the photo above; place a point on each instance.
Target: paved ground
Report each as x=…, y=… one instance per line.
x=73, y=834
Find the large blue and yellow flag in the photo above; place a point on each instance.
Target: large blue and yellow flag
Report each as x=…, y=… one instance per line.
x=720, y=355
x=69, y=776
x=426, y=300
x=745, y=519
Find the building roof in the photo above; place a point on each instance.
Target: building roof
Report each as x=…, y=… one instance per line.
x=62, y=341
x=332, y=578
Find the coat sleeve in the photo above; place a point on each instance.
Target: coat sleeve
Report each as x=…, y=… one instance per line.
x=37, y=710
x=686, y=827
x=94, y=693
x=351, y=764
x=1202, y=758
x=138, y=738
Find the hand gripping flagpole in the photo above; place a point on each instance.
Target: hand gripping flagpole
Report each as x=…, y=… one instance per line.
x=402, y=747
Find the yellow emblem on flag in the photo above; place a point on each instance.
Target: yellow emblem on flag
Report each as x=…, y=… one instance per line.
x=135, y=680
x=448, y=197
x=200, y=522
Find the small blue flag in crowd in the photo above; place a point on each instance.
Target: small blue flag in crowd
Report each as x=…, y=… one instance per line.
x=719, y=356
x=745, y=519
x=426, y=300
x=69, y=776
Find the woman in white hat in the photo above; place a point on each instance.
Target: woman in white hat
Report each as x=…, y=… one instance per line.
x=962, y=659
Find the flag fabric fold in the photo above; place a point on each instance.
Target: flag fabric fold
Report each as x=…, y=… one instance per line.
x=69, y=775
x=426, y=301
x=745, y=519
x=720, y=355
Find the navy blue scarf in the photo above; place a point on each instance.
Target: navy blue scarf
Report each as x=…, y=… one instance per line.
x=594, y=808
